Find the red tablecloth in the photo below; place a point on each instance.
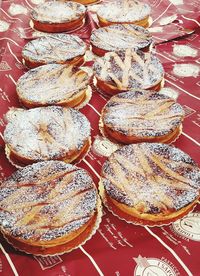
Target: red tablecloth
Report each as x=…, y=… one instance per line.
x=117, y=248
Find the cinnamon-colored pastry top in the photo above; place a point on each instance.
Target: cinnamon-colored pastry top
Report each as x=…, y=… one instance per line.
x=46, y=201
x=151, y=177
x=142, y=114
x=123, y=11
x=121, y=37
x=57, y=12
x=45, y=133
x=129, y=69
x=54, y=48
x=51, y=84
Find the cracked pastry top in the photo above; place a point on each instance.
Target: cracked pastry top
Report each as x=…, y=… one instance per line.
x=151, y=183
x=46, y=133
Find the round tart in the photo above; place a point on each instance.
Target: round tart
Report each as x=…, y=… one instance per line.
x=53, y=84
x=141, y=116
x=120, y=37
x=55, y=48
x=123, y=71
x=56, y=16
x=150, y=183
x=49, y=208
x=124, y=11
x=46, y=133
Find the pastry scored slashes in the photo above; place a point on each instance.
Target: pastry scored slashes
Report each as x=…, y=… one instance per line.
x=56, y=16
x=150, y=183
x=123, y=71
x=120, y=37
x=54, y=48
x=49, y=208
x=53, y=84
x=124, y=11
x=141, y=116
x=46, y=133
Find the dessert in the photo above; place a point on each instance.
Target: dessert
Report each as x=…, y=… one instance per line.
x=150, y=183
x=120, y=37
x=123, y=71
x=141, y=116
x=124, y=11
x=54, y=48
x=49, y=208
x=86, y=2
x=58, y=16
x=53, y=84
x=46, y=133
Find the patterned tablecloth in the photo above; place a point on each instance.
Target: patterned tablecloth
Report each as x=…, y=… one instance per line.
x=117, y=248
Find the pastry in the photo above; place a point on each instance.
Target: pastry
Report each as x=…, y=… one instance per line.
x=49, y=208
x=57, y=16
x=141, y=116
x=46, y=133
x=53, y=84
x=86, y=2
x=54, y=48
x=120, y=37
x=124, y=11
x=123, y=71
x=150, y=183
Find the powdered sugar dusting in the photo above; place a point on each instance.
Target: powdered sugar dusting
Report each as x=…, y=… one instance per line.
x=152, y=177
x=55, y=48
x=142, y=114
x=47, y=132
x=46, y=200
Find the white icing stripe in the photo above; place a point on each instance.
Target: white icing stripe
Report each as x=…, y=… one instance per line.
x=92, y=260
x=13, y=18
x=94, y=171
x=9, y=260
x=165, y=56
x=29, y=4
x=10, y=40
x=182, y=89
x=190, y=19
x=12, y=53
x=170, y=250
x=186, y=135
x=10, y=77
x=162, y=13
x=94, y=109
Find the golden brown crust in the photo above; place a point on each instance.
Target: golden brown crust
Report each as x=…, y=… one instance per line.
x=143, y=23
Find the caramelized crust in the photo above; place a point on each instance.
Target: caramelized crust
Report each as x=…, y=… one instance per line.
x=53, y=84
x=46, y=133
x=86, y=2
x=151, y=183
x=48, y=207
x=120, y=37
x=56, y=16
x=122, y=12
x=55, y=48
x=123, y=71
x=141, y=116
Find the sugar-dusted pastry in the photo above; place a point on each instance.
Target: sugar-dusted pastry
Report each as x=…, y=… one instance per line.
x=57, y=16
x=141, y=116
x=54, y=48
x=123, y=71
x=120, y=37
x=49, y=208
x=124, y=11
x=150, y=183
x=53, y=84
x=46, y=133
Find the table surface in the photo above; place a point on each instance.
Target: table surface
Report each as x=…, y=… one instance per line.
x=117, y=248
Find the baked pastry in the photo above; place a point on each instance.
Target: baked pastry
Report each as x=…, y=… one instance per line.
x=141, y=116
x=120, y=37
x=86, y=2
x=46, y=133
x=123, y=71
x=150, y=183
x=57, y=16
x=49, y=208
x=55, y=48
x=53, y=84
x=124, y=11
